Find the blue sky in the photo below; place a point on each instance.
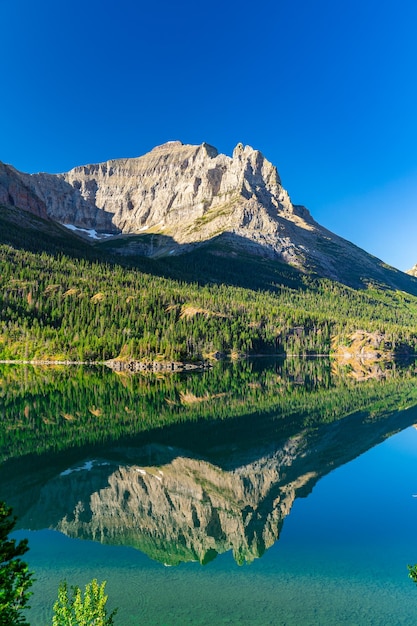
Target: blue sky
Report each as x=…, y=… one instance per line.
x=326, y=90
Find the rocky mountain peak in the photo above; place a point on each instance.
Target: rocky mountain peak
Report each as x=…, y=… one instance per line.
x=180, y=196
x=189, y=193
x=168, y=145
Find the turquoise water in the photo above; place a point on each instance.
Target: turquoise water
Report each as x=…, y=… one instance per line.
x=293, y=468
x=341, y=559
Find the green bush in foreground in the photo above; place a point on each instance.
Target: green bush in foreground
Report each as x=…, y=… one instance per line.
x=88, y=609
x=15, y=578
x=77, y=609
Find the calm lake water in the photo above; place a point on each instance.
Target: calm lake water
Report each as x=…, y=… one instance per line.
x=265, y=493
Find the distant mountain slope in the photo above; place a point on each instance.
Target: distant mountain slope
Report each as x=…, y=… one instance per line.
x=14, y=193
x=26, y=231
x=178, y=198
x=24, y=221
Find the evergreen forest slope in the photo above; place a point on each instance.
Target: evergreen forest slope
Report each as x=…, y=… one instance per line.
x=205, y=256
x=62, y=299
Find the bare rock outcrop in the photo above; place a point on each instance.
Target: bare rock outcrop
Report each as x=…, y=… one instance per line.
x=66, y=204
x=185, y=192
x=363, y=345
x=14, y=192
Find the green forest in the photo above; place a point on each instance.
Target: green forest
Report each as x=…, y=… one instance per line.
x=55, y=306
x=62, y=298
x=54, y=409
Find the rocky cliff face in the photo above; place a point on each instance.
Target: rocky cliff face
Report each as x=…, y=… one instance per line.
x=66, y=204
x=13, y=192
x=189, y=193
x=180, y=196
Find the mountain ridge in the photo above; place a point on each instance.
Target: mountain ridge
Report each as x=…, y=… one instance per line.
x=179, y=198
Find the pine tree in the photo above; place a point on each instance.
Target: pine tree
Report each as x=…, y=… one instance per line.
x=15, y=578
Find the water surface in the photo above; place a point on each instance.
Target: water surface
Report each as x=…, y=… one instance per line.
x=255, y=496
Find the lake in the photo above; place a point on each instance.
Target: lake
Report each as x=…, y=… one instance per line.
x=264, y=492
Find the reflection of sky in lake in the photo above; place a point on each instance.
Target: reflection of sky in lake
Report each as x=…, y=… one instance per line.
x=367, y=500
x=341, y=559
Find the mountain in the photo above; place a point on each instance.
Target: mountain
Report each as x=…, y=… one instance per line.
x=24, y=220
x=180, y=198
x=14, y=193
x=227, y=266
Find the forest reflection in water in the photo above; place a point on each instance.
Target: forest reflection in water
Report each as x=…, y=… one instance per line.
x=186, y=467
x=214, y=468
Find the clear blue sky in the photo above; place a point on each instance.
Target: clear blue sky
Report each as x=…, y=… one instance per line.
x=326, y=90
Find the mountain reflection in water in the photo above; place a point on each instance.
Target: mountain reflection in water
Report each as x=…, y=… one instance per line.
x=243, y=443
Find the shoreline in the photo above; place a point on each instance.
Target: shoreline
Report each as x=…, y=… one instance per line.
x=118, y=366
x=179, y=366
